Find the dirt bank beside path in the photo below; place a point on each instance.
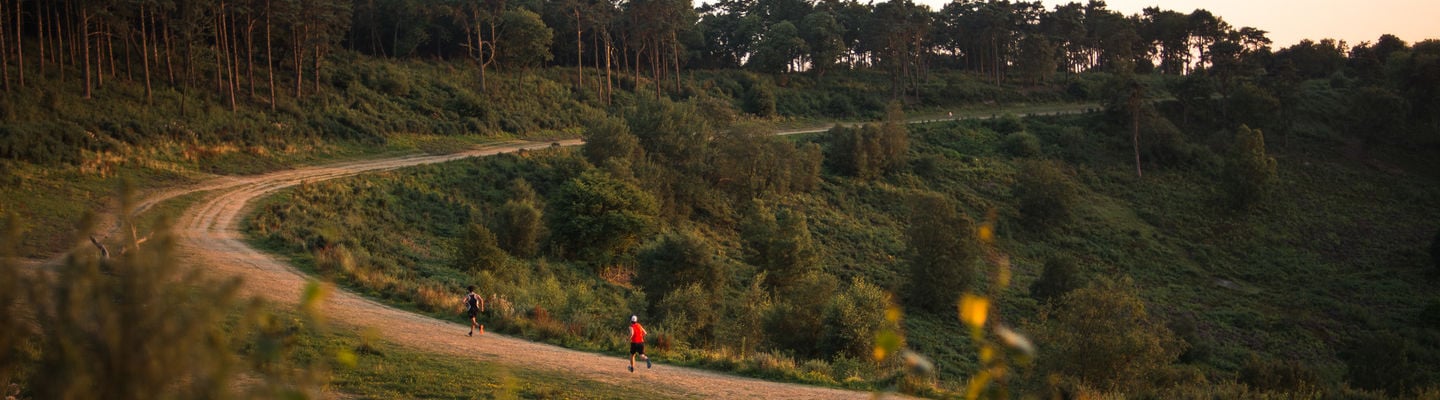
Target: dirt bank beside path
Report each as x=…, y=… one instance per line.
x=210, y=238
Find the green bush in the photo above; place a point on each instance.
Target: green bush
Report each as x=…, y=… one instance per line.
x=1430, y=315
x=479, y=250
x=1249, y=171
x=1252, y=106
x=141, y=325
x=679, y=259
x=797, y=322
x=1377, y=115
x=1045, y=194
x=1022, y=144
x=690, y=315
x=1383, y=361
x=611, y=138
x=780, y=244
x=943, y=253
x=1288, y=376
x=46, y=143
x=857, y=152
x=1435, y=250
x=1007, y=124
x=1103, y=336
x=597, y=217
x=1163, y=144
x=1060, y=277
x=854, y=317
x=520, y=224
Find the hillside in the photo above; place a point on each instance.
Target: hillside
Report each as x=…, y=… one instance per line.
x=1309, y=274
x=1230, y=221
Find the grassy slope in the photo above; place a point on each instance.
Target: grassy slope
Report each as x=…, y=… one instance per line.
x=76, y=149
x=386, y=370
x=1333, y=254
x=1336, y=252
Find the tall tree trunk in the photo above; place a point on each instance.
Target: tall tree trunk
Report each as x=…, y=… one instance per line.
x=232, y=46
x=127, y=52
x=299, y=39
x=59, y=40
x=1135, y=125
x=220, y=68
x=675, y=55
x=154, y=41
x=40, y=34
x=99, y=54
x=609, y=61
x=595, y=44
x=250, y=53
x=145, y=55
x=655, y=67
x=484, y=63
x=316, y=81
x=395, y=39
x=85, y=39
x=579, y=53
x=375, y=45
x=4, y=46
x=485, y=60
x=110, y=51
x=73, y=32
x=19, y=44
x=169, y=52
x=636, y=72
x=269, y=56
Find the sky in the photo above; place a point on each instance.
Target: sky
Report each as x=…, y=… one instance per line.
x=1289, y=21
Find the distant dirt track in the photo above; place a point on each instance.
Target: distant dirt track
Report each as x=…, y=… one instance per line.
x=210, y=238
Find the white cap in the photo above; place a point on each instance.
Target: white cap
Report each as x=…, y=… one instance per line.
x=634, y=318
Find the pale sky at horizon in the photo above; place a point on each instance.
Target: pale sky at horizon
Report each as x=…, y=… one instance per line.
x=1289, y=21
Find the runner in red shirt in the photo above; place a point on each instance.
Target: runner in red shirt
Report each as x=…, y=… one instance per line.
x=637, y=342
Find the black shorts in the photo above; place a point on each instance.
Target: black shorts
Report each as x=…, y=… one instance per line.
x=637, y=348
x=474, y=313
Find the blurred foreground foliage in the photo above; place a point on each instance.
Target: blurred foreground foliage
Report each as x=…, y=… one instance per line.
x=134, y=323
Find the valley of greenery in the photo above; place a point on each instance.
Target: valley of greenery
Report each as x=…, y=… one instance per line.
x=1224, y=221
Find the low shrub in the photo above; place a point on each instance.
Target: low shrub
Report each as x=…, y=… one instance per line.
x=1435, y=250
x=1059, y=277
x=1045, y=194
x=1288, y=376
x=1383, y=361
x=1022, y=144
x=1103, y=337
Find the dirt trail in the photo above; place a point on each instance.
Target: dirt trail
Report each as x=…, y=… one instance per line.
x=210, y=238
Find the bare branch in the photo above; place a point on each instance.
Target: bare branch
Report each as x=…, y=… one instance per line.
x=103, y=252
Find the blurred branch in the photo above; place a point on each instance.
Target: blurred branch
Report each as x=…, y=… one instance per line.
x=103, y=252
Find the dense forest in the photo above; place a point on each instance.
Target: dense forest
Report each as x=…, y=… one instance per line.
x=1230, y=208
x=258, y=53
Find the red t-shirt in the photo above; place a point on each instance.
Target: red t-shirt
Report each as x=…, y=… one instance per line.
x=637, y=333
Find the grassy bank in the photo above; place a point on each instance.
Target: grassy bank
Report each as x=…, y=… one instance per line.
x=1310, y=274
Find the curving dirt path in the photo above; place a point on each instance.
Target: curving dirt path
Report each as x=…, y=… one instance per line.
x=210, y=238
